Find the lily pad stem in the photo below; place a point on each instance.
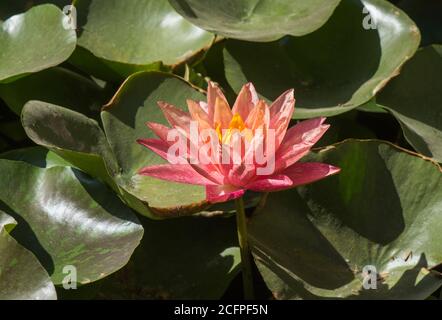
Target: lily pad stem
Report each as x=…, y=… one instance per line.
x=241, y=222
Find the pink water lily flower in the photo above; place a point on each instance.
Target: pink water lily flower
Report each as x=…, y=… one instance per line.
x=251, y=124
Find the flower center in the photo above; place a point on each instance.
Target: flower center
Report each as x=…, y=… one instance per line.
x=236, y=125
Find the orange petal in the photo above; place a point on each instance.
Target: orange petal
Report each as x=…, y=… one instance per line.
x=198, y=114
x=246, y=101
x=204, y=106
x=285, y=100
x=176, y=117
x=298, y=141
x=161, y=131
x=259, y=116
x=213, y=93
x=223, y=114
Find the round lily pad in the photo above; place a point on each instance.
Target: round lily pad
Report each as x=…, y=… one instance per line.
x=334, y=69
x=257, y=20
x=381, y=216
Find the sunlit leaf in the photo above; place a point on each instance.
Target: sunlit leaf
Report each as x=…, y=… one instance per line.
x=334, y=69
x=257, y=20
x=33, y=41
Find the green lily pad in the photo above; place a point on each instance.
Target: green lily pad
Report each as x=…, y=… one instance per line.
x=132, y=39
x=33, y=41
x=72, y=135
x=383, y=210
x=21, y=275
x=345, y=126
x=189, y=265
x=37, y=156
x=257, y=20
x=124, y=121
x=372, y=106
x=415, y=99
x=67, y=219
x=334, y=69
x=79, y=140
x=57, y=86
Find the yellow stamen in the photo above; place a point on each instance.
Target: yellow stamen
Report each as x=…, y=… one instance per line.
x=236, y=125
x=218, y=130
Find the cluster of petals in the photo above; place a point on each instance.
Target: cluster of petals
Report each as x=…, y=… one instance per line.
x=253, y=119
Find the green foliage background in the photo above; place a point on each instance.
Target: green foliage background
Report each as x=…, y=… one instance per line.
x=74, y=101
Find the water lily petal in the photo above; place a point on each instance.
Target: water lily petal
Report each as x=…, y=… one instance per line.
x=297, y=175
x=223, y=114
x=223, y=193
x=259, y=116
x=307, y=131
x=259, y=152
x=297, y=152
x=198, y=114
x=204, y=106
x=160, y=147
x=272, y=183
x=239, y=175
x=181, y=173
x=257, y=143
x=176, y=117
x=161, y=131
x=282, y=102
x=298, y=141
x=308, y=172
x=280, y=115
x=213, y=93
x=246, y=101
